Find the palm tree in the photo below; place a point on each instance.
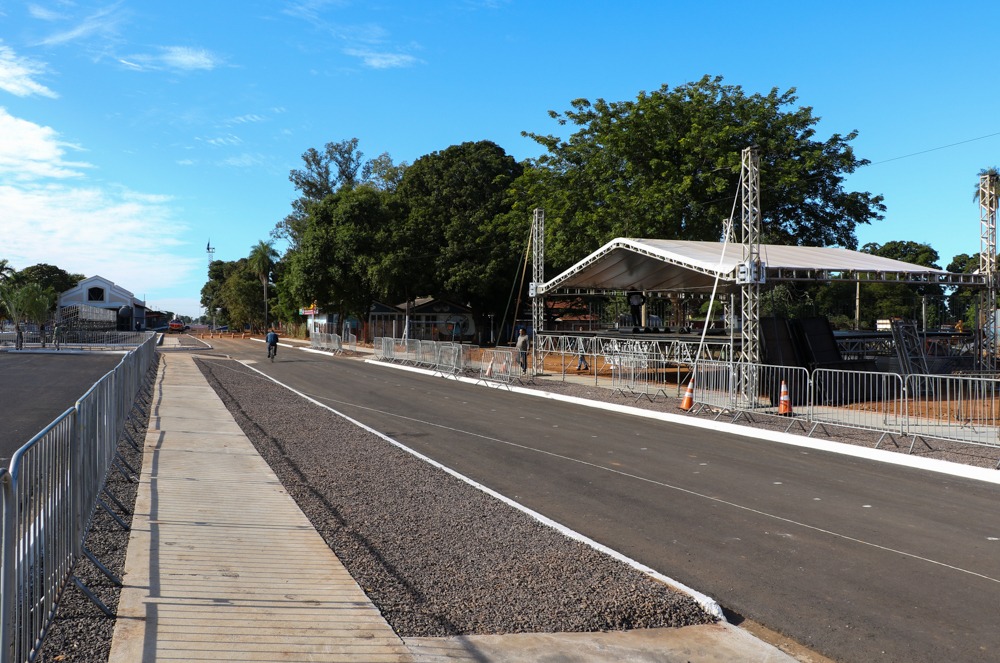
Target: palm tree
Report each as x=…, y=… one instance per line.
x=992, y=181
x=6, y=270
x=27, y=303
x=260, y=261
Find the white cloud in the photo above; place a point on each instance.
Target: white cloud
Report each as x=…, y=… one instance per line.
x=377, y=60
x=43, y=13
x=30, y=151
x=179, y=58
x=17, y=75
x=310, y=10
x=244, y=161
x=224, y=141
x=51, y=214
x=102, y=23
x=182, y=57
x=245, y=119
x=120, y=234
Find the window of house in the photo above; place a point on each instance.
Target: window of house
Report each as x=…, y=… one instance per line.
x=95, y=295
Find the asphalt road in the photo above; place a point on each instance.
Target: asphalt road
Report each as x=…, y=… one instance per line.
x=858, y=560
x=38, y=387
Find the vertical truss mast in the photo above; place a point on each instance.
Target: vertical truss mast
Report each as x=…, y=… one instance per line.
x=537, y=270
x=988, y=270
x=750, y=275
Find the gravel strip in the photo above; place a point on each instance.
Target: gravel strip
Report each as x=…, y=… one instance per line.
x=437, y=556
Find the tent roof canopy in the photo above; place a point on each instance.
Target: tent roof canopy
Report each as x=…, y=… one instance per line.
x=665, y=265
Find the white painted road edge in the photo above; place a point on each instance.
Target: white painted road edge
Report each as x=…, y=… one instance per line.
x=709, y=604
x=983, y=474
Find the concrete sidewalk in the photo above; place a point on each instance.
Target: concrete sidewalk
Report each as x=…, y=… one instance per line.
x=223, y=566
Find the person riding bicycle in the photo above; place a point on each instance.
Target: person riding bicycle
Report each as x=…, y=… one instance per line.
x=272, y=343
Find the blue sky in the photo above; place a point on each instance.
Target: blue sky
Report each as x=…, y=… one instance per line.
x=132, y=133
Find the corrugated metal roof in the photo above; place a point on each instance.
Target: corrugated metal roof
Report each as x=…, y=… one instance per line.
x=689, y=266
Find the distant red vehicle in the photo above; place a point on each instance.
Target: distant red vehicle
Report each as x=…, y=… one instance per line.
x=175, y=325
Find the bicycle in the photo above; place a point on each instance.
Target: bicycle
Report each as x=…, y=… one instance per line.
x=272, y=351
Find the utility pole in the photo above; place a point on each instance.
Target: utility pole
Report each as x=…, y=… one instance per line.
x=211, y=256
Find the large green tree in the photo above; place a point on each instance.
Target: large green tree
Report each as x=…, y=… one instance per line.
x=667, y=165
x=457, y=239
x=241, y=297
x=891, y=300
x=48, y=276
x=962, y=301
x=214, y=295
x=339, y=166
x=332, y=263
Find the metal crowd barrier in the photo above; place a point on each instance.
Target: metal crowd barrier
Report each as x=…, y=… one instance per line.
x=750, y=388
x=499, y=366
x=327, y=342
x=349, y=338
x=858, y=399
x=644, y=367
x=48, y=499
x=75, y=339
x=945, y=407
x=379, y=347
x=954, y=407
x=441, y=356
x=960, y=408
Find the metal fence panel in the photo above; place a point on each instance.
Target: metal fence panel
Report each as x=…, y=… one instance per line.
x=48, y=499
x=44, y=549
x=499, y=366
x=954, y=407
x=449, y=357
x=7, y=567
x=713, y=384
x=858, y=399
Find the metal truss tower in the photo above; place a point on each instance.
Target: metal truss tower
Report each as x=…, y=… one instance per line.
x=537, y=271
x=750, y=275
x=988, y=184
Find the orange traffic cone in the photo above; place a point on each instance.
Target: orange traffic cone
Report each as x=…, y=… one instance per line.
x=489, y=369
x=784, y=402
x=688, y=401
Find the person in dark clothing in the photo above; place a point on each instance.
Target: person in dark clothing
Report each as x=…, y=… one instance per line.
x=635, y=301
x=522, y=350
x=272, y=344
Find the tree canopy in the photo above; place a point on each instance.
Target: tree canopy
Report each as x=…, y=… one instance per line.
x=332, y=262
x=455, y=239
x=667, y=165
x=47, y=276
x=455, y=223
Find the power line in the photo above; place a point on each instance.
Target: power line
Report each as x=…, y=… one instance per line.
x=935, y=149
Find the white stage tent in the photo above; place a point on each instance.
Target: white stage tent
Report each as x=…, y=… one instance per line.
x=663, y=265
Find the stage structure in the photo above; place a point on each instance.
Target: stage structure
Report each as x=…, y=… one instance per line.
x=693, y=267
